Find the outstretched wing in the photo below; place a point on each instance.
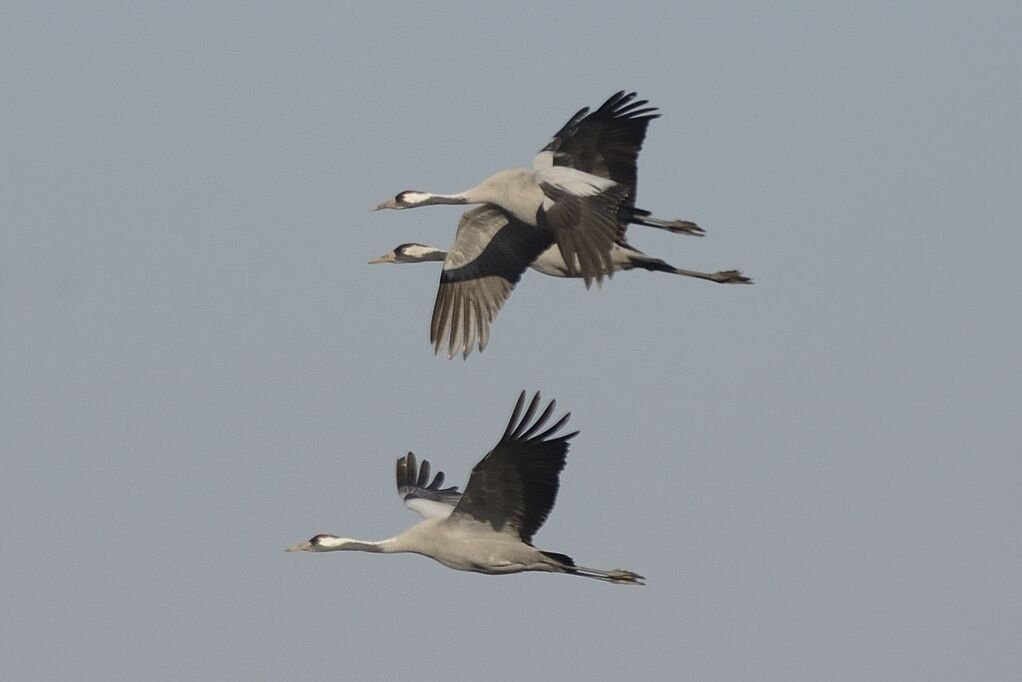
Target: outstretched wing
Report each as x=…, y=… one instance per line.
x=605, y=143
x=513, y=488
x=490, y=252
x=421, y=496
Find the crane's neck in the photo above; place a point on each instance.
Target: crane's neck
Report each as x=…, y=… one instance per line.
x=435, y=254
x=412, y=540
x=492, y=190
x=505, y=189
x=515, y=191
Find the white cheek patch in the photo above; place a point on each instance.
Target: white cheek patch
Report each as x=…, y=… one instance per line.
x=329, y=543
x=414, y=197
x=418, y=250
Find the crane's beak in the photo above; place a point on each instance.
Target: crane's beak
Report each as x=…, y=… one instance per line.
x=385, y=258
x=389, y=203
x=300, y=547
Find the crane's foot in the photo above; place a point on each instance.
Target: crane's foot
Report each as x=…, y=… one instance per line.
x=683, y=227
x=621, y=576
x=730, y=277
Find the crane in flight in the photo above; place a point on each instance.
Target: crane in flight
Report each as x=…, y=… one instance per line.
x=488, y=528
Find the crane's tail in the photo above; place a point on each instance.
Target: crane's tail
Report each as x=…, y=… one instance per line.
x=639, y=216
x=618, y=575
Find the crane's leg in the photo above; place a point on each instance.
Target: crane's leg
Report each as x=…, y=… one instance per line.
x=640, y=260
x=563, y=563
x=639, y=216
x=618, y=575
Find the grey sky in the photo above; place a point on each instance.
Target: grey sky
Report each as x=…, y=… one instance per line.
x=819, y=475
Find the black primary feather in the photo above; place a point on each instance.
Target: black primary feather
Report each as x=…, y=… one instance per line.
x=514, y=487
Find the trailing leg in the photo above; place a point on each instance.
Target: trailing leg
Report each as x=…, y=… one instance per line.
x=645, y=262
x=639, y=216
x=565, y=564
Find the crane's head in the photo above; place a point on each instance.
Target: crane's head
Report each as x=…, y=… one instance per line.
x=407, y=199
x=410, y=253
x=319, y=543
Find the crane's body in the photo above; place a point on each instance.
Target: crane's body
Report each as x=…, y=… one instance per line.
x=489, y=527
x=461, y=546
x=580, y=184
x=551, y=262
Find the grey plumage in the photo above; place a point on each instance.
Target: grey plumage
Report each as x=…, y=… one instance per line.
x=581, y=184
x=489, y=527
x=567, y=214
x=490, y=253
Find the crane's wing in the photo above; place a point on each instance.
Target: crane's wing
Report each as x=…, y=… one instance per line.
x=490, y=252
x=583, y=217
x=421, y=496
x=605, y=143
x=514, y=486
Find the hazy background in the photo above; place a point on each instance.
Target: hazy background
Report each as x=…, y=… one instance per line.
x=820, y=475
